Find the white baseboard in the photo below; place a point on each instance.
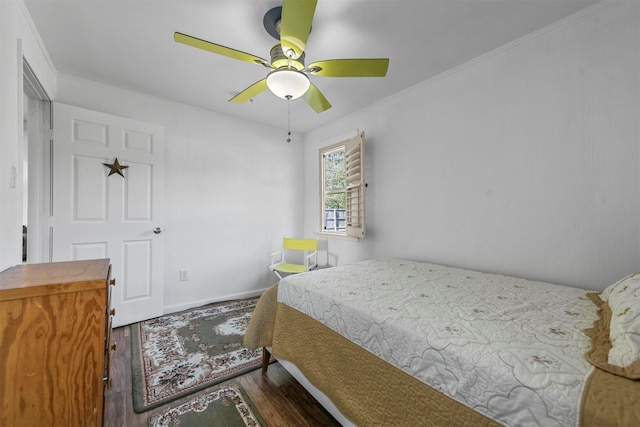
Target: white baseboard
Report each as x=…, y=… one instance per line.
x=175, y=308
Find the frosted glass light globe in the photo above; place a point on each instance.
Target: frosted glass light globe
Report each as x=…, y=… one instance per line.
x=288, y=83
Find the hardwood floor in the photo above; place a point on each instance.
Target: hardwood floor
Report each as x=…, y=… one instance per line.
x=279, y=398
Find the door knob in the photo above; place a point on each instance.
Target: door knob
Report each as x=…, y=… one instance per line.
x=157, y=230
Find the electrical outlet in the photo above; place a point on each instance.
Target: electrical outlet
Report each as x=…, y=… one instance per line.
x=184, y=275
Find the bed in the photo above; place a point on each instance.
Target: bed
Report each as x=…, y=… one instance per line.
x=398, y=342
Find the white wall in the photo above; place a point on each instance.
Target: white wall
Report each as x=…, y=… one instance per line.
x=231, y=191
x=525, y=161
x=17, y=39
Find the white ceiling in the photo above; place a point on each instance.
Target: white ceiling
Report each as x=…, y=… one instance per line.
x=129, y=43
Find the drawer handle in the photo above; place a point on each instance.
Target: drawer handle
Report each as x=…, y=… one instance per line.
x=112, y=312
x=112, y=282
x=114, y=346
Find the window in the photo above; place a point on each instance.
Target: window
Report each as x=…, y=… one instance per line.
x=342, y=188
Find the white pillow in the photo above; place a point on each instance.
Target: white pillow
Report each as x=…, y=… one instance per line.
x=623, y=298
x=604, y=295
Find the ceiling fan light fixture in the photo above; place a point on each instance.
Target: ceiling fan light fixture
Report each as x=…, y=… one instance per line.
x=288, y=83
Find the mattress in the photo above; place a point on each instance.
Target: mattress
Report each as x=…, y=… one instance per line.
x=508, y=348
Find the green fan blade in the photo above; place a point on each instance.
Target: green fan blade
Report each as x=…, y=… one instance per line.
x=295, y=24
x=219, y=49
x=316, y=99
x=250, y=92
x=376, y=67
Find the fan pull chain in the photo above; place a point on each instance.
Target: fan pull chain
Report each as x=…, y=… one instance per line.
x=290, y=56
x=288, y=118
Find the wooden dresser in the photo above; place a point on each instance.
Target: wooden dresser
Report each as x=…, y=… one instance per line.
x=55, y=327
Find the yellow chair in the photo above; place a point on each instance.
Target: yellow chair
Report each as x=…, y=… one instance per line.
x=309, y=248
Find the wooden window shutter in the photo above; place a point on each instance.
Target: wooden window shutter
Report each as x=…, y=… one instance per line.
x=354, y=149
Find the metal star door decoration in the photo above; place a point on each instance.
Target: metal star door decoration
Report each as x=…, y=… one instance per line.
x=115, y=167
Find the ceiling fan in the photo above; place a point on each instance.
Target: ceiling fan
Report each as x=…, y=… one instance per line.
x=288, y=78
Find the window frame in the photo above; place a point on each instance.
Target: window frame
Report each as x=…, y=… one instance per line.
x=353, y=191
x=325, y=151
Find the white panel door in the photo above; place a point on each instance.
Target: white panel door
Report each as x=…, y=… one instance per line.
x=97, y=215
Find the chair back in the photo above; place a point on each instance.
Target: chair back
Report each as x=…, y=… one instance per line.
x=300, y=244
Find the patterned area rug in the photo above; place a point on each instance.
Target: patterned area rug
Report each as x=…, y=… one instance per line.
x=180, y=353
x=225, y=405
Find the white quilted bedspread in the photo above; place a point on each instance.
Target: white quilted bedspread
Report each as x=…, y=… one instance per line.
x=509, y=348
